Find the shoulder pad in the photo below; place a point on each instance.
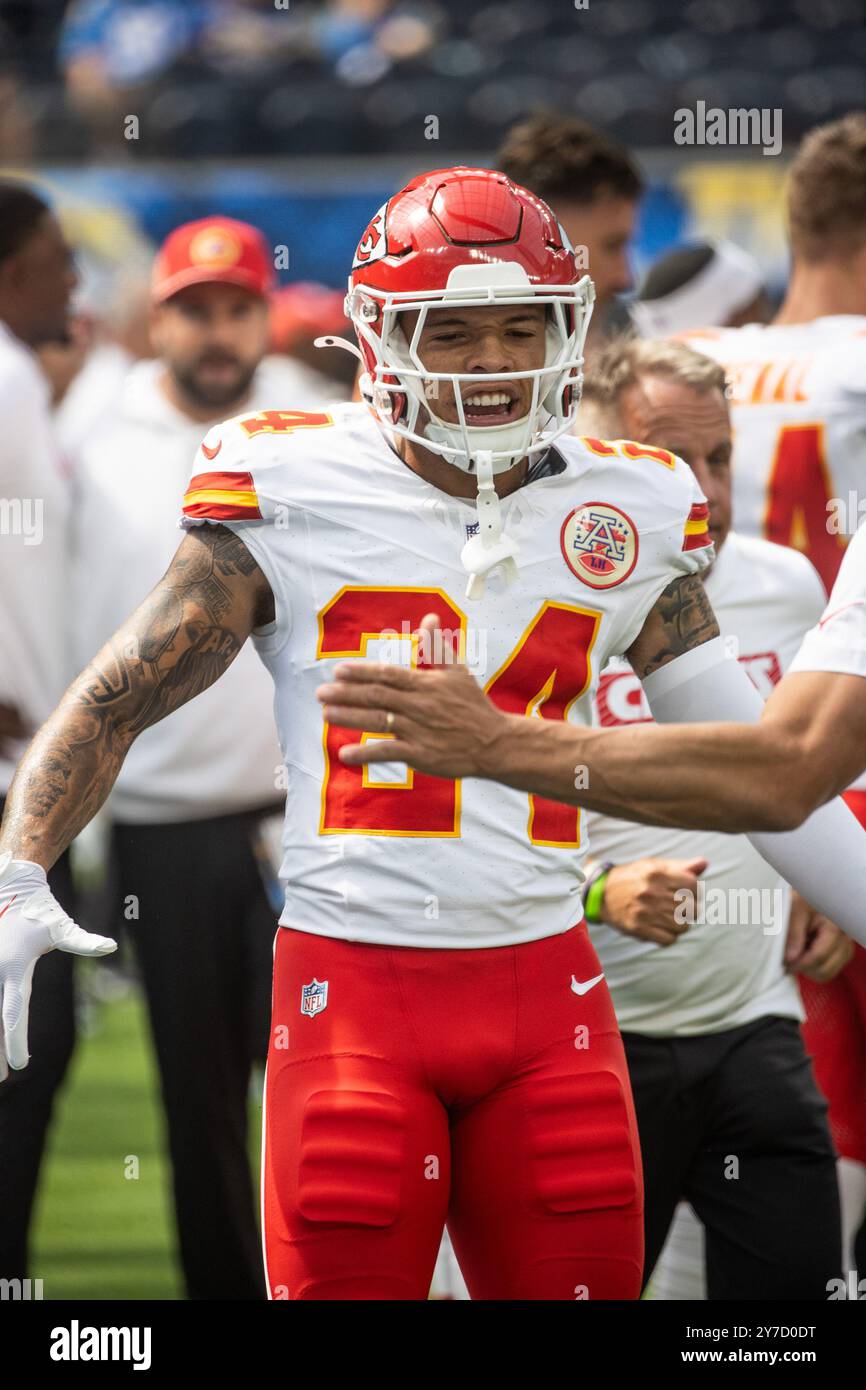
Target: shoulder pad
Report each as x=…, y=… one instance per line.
x=234, y=458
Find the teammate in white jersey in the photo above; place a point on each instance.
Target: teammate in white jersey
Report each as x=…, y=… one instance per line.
x=692, y=929
x=413, y=1076
x=798, y=384
x=798, y=392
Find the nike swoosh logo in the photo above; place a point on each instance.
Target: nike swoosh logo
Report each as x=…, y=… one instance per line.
x=8, y=905
x=584, y=986
x=211, y=453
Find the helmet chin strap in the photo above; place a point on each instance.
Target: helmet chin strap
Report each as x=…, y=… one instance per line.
x=489, y=548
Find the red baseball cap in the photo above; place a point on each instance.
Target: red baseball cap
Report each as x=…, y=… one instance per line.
x=213, y=250
x=301, y=311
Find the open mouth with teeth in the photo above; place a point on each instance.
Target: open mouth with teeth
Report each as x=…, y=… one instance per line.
x=495, y=405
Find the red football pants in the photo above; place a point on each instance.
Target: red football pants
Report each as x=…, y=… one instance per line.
x=835, y=1035
x=473, y=1086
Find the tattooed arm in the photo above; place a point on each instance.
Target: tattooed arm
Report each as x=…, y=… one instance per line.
x=681, y=619
x=626, y=772
x=715, y=776
x=703, y=776
x=708, y=775
x=182, y=638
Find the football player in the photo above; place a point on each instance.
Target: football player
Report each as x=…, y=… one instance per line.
x=443, y=1044
x=798, y=392
x=594, y=188
x=798, y=384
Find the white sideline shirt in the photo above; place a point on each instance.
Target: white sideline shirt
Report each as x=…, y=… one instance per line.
x=727, y=969
x=34, y=512
x=218, y=754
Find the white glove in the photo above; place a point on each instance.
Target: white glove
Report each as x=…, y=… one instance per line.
x=32, y=922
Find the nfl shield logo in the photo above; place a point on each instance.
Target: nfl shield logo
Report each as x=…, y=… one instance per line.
x=314, y=997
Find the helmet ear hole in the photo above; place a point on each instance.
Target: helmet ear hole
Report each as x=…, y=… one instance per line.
x=387, y=400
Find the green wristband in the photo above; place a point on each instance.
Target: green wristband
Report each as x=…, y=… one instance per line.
x=594, y=898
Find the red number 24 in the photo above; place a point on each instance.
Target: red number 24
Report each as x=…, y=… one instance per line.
x=547, y=671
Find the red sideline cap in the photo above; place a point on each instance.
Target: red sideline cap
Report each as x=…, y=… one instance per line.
x=216, y=249
x=301, y=311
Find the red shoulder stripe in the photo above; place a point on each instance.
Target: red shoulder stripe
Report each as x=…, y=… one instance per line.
x=697, y=541
x=242, y=482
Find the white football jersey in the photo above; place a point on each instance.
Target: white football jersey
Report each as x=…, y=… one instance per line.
x=728, y=968
x=357, y=549
x=798, y=396
x=838, y=641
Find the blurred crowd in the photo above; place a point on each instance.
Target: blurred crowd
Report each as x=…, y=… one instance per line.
x=235, y=77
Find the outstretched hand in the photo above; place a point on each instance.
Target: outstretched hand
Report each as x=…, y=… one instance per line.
x=435, y=718
x=32, y=923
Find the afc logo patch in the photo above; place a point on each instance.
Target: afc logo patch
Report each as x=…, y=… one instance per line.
x=599, y=544
x=314, y=997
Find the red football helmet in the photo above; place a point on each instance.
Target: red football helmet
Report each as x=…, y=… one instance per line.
x=464, y=237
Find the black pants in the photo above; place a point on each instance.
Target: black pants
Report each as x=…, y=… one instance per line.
x=204, y=939
x=734, y=1123
x=27, y=1097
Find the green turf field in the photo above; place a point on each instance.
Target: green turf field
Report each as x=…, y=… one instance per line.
x=100, y=1231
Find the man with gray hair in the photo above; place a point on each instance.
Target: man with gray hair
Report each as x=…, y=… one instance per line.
x=698, y=936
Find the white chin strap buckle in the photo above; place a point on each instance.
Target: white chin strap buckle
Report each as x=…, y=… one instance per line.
x=489, y=547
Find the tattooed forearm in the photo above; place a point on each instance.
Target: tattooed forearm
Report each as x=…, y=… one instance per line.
x=181, y=639
x=210, y=651
x=682, y=618
x=61, y=782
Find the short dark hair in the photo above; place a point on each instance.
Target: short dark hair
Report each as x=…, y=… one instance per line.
x=564, y=159
x=675, y=269
x=827, y=190
x=20, y=213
